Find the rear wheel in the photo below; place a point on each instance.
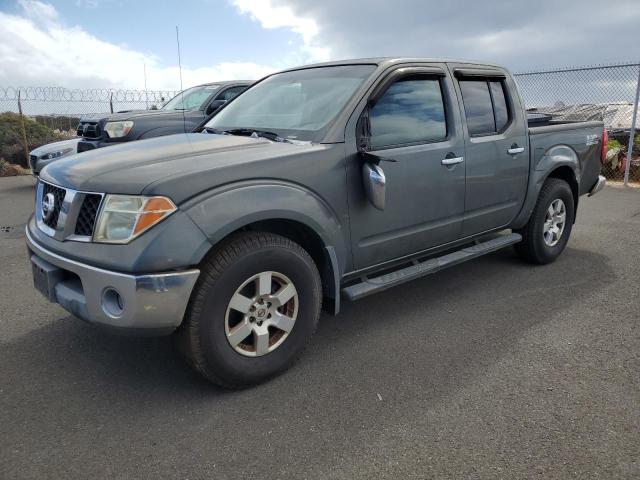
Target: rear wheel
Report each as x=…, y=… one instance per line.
x=253, y=310
x=546, y=234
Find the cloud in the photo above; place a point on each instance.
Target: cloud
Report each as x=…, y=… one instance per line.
x=271, y=15
x=37, y=48
x=517, y=33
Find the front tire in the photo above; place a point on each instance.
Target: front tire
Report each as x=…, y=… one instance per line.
x=253, y=310
x=546, y=234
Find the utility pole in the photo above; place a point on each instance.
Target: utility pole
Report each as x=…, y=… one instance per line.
x=146, y=94
x=24, y=132
x=632, y=132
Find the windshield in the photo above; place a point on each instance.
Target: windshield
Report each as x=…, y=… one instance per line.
x=295, y=104
x=192, y=98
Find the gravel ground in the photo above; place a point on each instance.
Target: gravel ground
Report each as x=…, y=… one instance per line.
x=491, y=369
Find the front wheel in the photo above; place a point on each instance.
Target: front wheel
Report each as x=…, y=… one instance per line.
x=253, y=310
x=546, y=234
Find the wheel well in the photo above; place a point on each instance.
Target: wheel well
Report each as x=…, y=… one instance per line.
x=308, y=239
x=566, y=173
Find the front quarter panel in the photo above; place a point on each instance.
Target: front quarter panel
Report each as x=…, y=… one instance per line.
x=227, y=209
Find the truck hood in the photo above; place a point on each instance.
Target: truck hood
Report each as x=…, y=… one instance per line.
x=179, y=166
x=55, y=147
x=134, y=115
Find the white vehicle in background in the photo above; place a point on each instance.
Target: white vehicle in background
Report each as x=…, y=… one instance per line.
x=41, y=156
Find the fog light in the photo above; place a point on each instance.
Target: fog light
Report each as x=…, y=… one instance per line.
x=112, y=303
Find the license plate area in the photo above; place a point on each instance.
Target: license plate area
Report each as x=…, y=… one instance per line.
x=45, y=277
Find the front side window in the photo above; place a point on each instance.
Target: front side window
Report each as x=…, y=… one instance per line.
x=485, y=106
x=296, y=104
x=192, y=98
x=231, y=93
x=410, y=111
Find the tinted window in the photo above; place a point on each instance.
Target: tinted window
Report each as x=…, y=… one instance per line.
x=191, y=98
x=499, y=105
x=477, y=107
x=410, y=111
x=232, y=93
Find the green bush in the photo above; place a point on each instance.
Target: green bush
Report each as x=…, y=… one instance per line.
x=11, y=143
x=613, y=143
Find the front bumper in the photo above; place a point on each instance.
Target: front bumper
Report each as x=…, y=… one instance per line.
x=147, y=304
x=599, y=185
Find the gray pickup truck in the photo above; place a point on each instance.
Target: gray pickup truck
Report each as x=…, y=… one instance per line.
x=320, y=183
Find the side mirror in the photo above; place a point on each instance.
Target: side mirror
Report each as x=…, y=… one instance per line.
x=375, y=184
x=373, y=177
x=215, y=105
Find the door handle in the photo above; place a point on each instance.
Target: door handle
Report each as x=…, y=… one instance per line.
x=515, y=150
x=451, y=161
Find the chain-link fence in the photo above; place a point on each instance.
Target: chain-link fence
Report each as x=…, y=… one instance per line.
x=34, y=116
x=607, y=93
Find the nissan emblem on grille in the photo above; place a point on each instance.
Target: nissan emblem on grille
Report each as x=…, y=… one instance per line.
x=48, y=206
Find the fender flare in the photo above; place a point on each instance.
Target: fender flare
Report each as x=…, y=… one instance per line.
x=556, y=157
x=224, y=210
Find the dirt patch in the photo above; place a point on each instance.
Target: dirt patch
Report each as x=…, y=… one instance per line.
x=11, y=169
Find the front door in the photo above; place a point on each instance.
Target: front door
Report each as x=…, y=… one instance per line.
x=415, y=129
x=497, y=150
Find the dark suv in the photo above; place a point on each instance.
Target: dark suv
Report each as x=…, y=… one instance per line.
x=182, y=113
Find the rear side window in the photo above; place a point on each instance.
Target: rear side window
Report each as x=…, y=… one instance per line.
x=499, y=105
x=410, y=111
x=485, y=106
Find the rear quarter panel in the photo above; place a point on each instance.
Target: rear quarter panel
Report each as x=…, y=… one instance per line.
x=573, y=145
x=577, y=145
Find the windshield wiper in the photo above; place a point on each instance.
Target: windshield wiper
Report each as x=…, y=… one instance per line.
x=251, y=132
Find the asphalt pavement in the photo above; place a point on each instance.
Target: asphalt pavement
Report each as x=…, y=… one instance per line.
x=491, y=369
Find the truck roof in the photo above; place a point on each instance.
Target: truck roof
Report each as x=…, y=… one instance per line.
x=227, y=82
x=387, y=61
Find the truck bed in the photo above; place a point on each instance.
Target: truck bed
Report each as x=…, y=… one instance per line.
x=581, y=139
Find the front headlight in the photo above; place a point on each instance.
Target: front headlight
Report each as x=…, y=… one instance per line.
x=57, y=154
x=118, y=129
x=123, y=217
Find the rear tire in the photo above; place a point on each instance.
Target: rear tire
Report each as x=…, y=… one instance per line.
x=253, y=310
x=546, y=234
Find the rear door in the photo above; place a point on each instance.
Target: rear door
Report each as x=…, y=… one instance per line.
x=415, y=124
x=497, y=150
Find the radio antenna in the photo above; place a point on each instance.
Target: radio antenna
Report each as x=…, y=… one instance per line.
x=184, y=121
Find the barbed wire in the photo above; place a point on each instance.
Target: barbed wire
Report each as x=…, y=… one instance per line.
x=61, y=94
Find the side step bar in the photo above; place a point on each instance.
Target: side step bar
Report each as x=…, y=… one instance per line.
x=370, y=285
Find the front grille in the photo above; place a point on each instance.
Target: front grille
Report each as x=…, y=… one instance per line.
x=87, y=215
x=89, y=130
x=72, y=215
x=51, y=220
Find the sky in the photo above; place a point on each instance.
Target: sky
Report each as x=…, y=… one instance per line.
x=110, y=43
